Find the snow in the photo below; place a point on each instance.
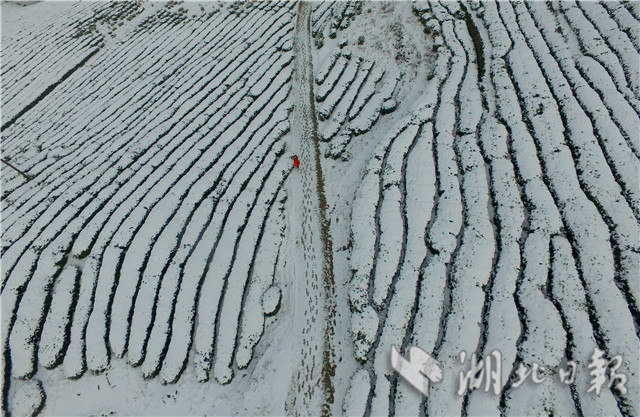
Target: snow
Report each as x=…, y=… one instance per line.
x=55, y=330
x=340, y=111
x=588, y=229
x=323, y=72
x=364, y=325
x=236, y=280
x=444, y=200
x=625, y=21
x=339, y=90
x=594, y=45
x=29, y=398
x=474, y=254
x=616, y=40
x=391, y=231
x=261, y=286
x=354, y=404
x=622, y=112
x=366, y=91
x=270, y=300
x=370, y=112
x=333, y=77
x=570, y=292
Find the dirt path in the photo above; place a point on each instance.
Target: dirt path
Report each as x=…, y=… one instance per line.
x=314, y=281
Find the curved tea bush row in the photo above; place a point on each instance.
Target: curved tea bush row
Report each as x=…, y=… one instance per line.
x=522, y=242
x=148, y=197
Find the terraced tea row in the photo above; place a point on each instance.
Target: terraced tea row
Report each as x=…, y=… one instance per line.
x=142, y=231
x=461, y=236
x=32, y=67
x=466, y=182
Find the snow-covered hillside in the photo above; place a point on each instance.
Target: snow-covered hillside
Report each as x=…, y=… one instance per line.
x=468, y=181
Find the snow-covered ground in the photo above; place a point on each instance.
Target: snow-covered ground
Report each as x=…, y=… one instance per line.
x=468, y=182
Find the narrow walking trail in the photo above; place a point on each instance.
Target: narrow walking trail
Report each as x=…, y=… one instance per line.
x=308, y=224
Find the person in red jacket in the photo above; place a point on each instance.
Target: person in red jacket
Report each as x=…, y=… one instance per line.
x=296, y=161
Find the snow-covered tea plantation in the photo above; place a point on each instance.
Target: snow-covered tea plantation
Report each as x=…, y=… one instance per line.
x=468, y=187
